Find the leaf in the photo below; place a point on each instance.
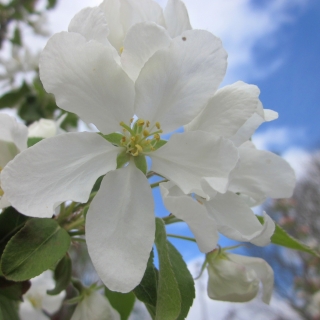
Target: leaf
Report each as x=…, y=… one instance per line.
x=146, y=291
x=12, y=98
x=62, y=275
x=32, y=141
x=122, y=302
x=282, y=238
x=114, y=138
x=141, y=163
x=13, y=290
x=159, y=144
x=11, y=221
x=184, y=279
x=16, y=37
x=169, y=299
x=122, y=159
x=51, y=4
x=8, y=309
x=35, y=248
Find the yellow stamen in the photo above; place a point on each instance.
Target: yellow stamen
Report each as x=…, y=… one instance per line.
x=121, y=50
x=140, y=122
x=1, y=192
x=158, y=125
x=147, y=123
x=146, y=133
x=133, y=139
x=139, y=148
x=123, y=139
x=157, y=136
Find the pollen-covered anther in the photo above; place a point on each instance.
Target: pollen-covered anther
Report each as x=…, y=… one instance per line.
x=133, y=139
x=140, y=122
x=157, y=136
x=1, y=192
x=139, y=148
x=147, y=123
x=123, y=139
x=158, y=125
x=131, y=120
x=146, y=133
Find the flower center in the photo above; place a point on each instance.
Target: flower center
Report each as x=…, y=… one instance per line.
x=140, y=137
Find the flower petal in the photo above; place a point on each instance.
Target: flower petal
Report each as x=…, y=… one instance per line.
x=262, y=174
x=237, y=221
x=86, y=80
x=141, y=42
x=228, y=110
x=57, y=169
x=193, y=213
x=120, y=228
x=92, y=24
x=263, y=271
x=188, y=157
x=176, y=83
x=176, y=17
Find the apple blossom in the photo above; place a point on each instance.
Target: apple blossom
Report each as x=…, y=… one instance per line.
x=36, y=299
x=163, y=88
x=236, y=278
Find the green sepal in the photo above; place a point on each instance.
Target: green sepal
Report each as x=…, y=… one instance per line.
x=13, y=290
x=141, y=163
x=8, y=309
x=39, y=245
x=146, y=291
x=159, y=144
x=282, y=238
x=12, y=98
x=122, y=302
x=62, y=275
x=32, y=141
x=11, y=221
x=114, y=138
x=122, y=159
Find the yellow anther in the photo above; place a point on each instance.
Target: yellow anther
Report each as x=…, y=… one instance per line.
x=152, y=148
x=157, y=136
x=123, y=139
x=1, y=192
x=131, y=120
x=158, y=125
x=148, y=141
x=140, y=122
x=133, y=139
x=121, y=50
x=124, y=130
x=146, y=133
x=135, y=153
x=139, y=148
x=148, y=123
x=122, y=123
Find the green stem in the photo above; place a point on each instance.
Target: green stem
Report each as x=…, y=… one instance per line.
x=181, y=237
x=171, y=219
x=73, y=225
x=156, y=184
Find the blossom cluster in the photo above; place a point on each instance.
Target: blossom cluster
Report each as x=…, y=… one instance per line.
x=138, y=73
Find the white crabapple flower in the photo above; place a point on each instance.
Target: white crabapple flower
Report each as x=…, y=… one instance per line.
x=175, y=79
x=36, y=299
x=236, y=278
x=13, y=139
x=94, y=306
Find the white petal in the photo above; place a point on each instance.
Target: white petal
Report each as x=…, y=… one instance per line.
x=141, y=42
x=92, y=24
x=135, y=11
x=188, y=157
x=44, y=128
x=262, y=174
x=228, y=110
x=193, y=213
x=237, y=221
x=4, y=201
x=95, y=307
x=176, y=17
x=111, y=9
x=120, y=228
x=176, y=83
x=263, y=271
x=57, y=169
x=86, y=80
x=13, y=138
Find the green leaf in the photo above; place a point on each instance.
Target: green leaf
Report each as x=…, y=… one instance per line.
x=35, y=248
x=146, y=291
x=122, y=159
x=62, y=275
x=51, y=4
x=8, y=309
x=12, y=98
x=122, y=302
x=159, y=144
x=32, y=141
x=114, y=138
x=13, y=290
x=16, y=37
x=184, y=279
x=282, y=238
x=169, y=299
x=11, y=221
x=141, y=163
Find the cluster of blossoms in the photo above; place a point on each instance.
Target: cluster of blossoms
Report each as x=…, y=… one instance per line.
x=137, y=72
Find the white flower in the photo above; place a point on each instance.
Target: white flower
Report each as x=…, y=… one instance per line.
x=165, y=81
x=95, y=307
x=13, y=139
x=236, y=278
x=46, y=128
x=36, y=299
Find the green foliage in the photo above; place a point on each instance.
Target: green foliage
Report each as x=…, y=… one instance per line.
x=13, y=290
x=141, y=163
x=282, y=238
x=51, y=4
x=62, y=275
x=35, y=248
x=17, y=37
x=122, y=159
x=174, y=277
x=12, y=98
x=11, y=221
x=114, y=138
x=32, y=141
x=122, y=302
x=8, y=309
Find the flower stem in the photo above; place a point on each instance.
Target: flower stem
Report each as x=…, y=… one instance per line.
x=171, y=219
x=156, y=184
x=181, y=237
